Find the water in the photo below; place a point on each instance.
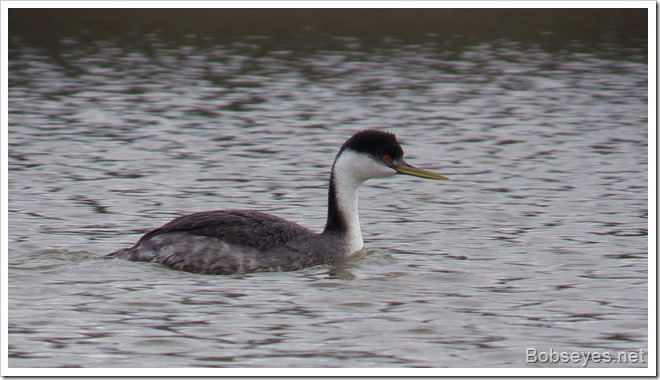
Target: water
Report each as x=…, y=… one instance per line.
x=538, y=241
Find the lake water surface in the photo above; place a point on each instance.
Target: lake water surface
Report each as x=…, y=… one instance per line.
x=539, y=240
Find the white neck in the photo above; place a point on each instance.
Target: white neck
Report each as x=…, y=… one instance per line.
x=346, y=195
x=349, y=171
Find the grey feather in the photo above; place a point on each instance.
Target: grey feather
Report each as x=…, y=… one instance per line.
x=233, y=241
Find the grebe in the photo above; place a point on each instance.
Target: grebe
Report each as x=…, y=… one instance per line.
x=243, y=241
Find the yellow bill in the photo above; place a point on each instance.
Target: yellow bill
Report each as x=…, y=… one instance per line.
x=405, y=168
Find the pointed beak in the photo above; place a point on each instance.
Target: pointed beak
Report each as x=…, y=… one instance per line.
x=403, y=167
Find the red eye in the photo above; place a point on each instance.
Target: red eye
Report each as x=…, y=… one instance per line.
x=387, y=159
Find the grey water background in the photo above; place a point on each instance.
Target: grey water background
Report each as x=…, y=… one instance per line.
x=122, y=120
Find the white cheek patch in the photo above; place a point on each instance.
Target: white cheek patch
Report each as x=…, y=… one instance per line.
x=361, y=167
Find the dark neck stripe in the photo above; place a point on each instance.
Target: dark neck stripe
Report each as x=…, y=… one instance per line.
x=336, y=222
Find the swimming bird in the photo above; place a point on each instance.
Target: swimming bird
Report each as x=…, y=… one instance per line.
x=243, y=241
